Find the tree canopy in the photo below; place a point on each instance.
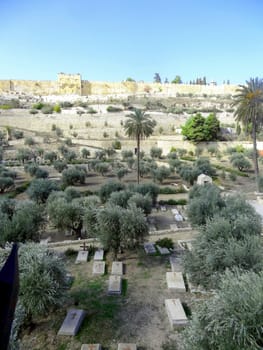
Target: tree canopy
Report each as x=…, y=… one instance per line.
x=198, y=128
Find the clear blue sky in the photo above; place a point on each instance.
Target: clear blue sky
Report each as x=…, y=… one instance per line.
x=115, y=39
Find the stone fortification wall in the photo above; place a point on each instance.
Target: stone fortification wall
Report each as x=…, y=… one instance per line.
x=72, y=84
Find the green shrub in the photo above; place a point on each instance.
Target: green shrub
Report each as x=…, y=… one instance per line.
x=66, y=104
x=33, y=111
x=91, y=110
x=170, y=190
x=5, y=106
x=47, y=109
x=18, y=134
x=38, y=105
x=165, y=243
x=180, y=201
x=116, y=144
x=114, y=109
x=57, y=108
x=105, y=134
x=29, y=141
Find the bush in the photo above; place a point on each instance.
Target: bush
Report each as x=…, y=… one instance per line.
x=114, y=109
x=38, y=105
x=29, y=141
x=165, y=243
x=57, y=109
x=47, y=109
x=33, y=111
x=18, y=134
x=91, y=110
x=180, y=201
x=116, y=144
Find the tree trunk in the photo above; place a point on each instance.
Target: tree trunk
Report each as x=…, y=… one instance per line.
x=138, y=159
x=77, y=230
x=255, y=156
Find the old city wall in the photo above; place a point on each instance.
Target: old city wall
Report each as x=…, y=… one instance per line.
x=72, y=84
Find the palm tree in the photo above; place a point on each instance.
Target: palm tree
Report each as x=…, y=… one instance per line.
x=249, y=111
x=139, y=125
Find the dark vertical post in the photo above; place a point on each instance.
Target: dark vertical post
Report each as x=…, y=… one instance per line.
x=9, y=285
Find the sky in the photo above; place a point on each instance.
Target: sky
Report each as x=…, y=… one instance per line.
x=111, y=40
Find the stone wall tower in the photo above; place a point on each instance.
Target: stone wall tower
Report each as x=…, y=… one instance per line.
x=69, y=84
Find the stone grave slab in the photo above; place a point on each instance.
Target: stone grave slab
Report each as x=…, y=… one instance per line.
x=117, y=268
x=114, y=287
x=149, y=248
x=175, y=312
x=174, y=211
x=72, y=322
x=99, y=254
x=173, y=263
x=90, y=347
x=82, y=256
x=175, y=281
x=163, y=251
x=127, y=346
x=98, y=268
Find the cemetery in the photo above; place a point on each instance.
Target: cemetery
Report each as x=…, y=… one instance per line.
x=133, y=287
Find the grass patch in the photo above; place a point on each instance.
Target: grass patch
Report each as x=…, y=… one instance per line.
x=102, y=310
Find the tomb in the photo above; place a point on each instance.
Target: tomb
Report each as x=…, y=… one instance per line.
x=173, y=262
x=82, y=256
x=99, y=254
x=149, y=248
x=114, y=287
x=98, y=268
x=175, y=281
x=90, y=347
x=127, y=346
x=175, y=312
x=72, y=322
x=163, y=250
x=117, y=268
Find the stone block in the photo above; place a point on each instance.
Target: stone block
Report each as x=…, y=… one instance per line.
x=99, y=254
x=82, y=256
x=114, y=287
x=173, y=262
x=127, y=346
x=175, y=281
x=90, y=347
x=163, y=250
x=98, y=268
x=117, y=268
x=149, y=248
x=175, y=312
x=72, y=322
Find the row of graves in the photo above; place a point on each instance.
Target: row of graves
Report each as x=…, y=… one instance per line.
x=175, y=282
x=75, y=317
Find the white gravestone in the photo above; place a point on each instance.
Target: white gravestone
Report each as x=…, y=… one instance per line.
x=114, y=285
x=98, y=268
x=127, y=346
x=117, y=268
x=149, y=248
x=175, y=281
x=82, y=256
x=72, y=322
x=90, y=347
x=99, y=254
x=175, y=312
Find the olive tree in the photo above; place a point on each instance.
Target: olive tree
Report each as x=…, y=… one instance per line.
x=232, y=318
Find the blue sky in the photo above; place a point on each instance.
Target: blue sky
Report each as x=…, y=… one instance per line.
x=111, y=40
